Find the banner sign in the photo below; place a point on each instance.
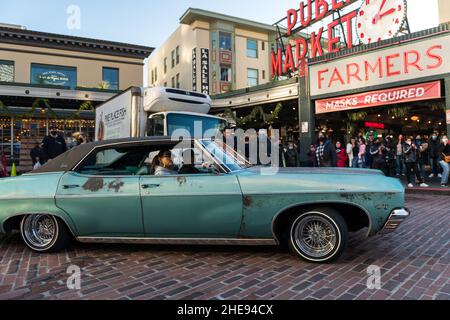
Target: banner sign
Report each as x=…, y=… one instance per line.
x=425, y=91
x=418, y=59
x=194, y=69
x=204, y=60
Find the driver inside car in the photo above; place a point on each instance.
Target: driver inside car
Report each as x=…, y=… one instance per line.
x=188, y=166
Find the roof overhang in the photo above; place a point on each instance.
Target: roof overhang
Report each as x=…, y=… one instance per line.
x=194, y=14
x=53, y=93
x=265, y=94
x=62, y=42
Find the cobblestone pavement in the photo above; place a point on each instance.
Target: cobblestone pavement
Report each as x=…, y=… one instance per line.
x=415, y=264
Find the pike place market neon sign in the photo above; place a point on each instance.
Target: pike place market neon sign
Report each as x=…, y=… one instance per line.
x=384, y=16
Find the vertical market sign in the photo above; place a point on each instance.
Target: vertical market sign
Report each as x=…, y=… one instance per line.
x=194, y=69
x=204, y=61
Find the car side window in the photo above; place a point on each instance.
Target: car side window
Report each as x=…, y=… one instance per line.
x=114, y=161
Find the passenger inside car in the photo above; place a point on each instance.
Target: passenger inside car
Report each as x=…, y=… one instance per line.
x=162, y=164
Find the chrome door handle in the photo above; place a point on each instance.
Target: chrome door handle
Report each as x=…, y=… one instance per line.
x=72, y=186
x=150, y=186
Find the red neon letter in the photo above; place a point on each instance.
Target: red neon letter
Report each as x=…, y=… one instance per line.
x=301, y=47
x=316, y=46
x=320, y=77
x=336, y=76
x=289, y=60
x=291, y=20
x=331, y=39
x=389, y=65
x=321, y=4
x=336, y=5
x=438, y=58
x=354, y=73
x=414, y=63
x=368, y=67
x=275, y=62
x=348, y=20
x=307, y=21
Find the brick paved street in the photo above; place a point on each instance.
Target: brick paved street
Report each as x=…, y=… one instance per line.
x=415, y=264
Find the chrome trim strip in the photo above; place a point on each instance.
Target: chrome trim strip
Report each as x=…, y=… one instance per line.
x=396, y=218
x=179, y=241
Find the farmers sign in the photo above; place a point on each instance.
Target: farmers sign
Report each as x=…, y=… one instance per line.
x=426, y=91
x=414, y=60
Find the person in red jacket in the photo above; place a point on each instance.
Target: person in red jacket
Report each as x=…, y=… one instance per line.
x=342, y=156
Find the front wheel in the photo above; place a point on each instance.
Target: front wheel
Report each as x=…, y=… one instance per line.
x=319, y=235
x=44, y=233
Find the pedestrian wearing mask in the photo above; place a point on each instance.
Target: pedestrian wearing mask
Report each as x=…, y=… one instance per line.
x=355, y=152
x=377, y=152
x=369, y=157
x=389, y=156
x=325, y=153
x=349, y=150
x=342, y=156
x=435, y=157
x=291, y=156
x=400, y=157
x=53, y=145
x=361, y=153
x=444, y=151
x=411, y=153
x=422, y=149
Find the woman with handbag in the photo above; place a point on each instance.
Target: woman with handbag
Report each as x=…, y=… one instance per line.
x=444, y=151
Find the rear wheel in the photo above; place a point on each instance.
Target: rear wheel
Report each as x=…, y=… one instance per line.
x=319, y=235
x=44, y=233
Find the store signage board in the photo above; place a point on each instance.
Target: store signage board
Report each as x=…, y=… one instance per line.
x=374, y=125
x=194, y=69
x=425, y=91
x=113, y=119
x=394, y=64
x=204, y=61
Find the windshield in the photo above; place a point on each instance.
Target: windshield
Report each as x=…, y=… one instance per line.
x=225, y=155
x=196, y=126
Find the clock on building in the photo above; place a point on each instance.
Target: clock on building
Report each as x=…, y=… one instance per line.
x=379, y=20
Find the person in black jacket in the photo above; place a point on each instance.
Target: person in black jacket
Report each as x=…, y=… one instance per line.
x=36, y=154
x=410, y=151
x=53, y=145
x=435, y=157
x=325, y=153
x=291, y=156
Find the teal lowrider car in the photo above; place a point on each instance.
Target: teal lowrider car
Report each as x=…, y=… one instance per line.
x=105, y=193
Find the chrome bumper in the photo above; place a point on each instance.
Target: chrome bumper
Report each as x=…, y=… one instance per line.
x=395, y=220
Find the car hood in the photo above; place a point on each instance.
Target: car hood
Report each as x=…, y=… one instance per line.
x=316, y=180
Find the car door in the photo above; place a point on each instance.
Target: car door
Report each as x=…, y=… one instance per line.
x=103, y=202
x=192, y=206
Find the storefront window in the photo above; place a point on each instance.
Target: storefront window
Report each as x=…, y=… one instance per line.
x=6, y=71
x=213, y=40
x=111, y=76
x=225, y=41
x=252, y=48
x=252, y=77
x=225, y=74
x=53, y=75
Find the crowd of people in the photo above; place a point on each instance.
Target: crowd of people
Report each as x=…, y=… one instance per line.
x=406, y=156
x=53, y=146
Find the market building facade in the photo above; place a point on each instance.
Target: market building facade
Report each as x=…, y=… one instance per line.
x=213, y=53
x=51, y=79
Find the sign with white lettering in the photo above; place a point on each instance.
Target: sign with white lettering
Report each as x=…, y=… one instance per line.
x=194, y=69
x=400, y=63
x=426, y=91
x=204, y=61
